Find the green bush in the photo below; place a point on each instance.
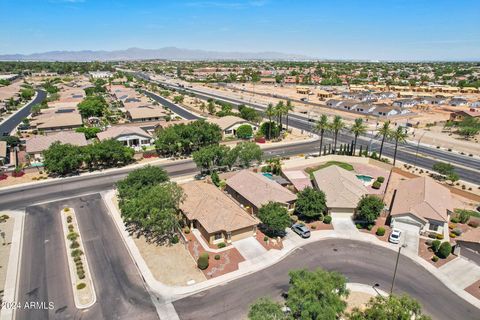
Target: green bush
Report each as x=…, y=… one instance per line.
x=376, y=185
x=454, y=220
x=453, y=235
x=358, y=225
x=81, y=285
x=74, y=245
x=217, y=257
x=444, y=250
x=434, y=258
x=381, y=179
x=370, y=227
x=327, y=219
x=457, y=231
x=76, y=259
x=265, y=238
x=72, y=236
x=202, y=261
x=245, y=131
x=380, y=231
x=186, y=230
x=76, y=253
x=439, y=236
x=69, y=219
x=435, y=245
x=175, y=239
x=81, y=275
x=221, y=245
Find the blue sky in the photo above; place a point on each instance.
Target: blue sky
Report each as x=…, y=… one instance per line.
x=333, y=29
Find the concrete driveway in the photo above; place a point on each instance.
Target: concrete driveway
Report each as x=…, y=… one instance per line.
x=249, y=248
x=343, y=224
x=462, y=271
x=410, y=236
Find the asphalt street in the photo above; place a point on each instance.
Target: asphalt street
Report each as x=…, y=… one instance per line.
x=359, y=262
x=406, y=152
x=44, y=276
x=176, y=109
x=11, y=123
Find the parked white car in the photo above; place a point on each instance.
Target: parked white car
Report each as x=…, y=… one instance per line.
x=395, y=236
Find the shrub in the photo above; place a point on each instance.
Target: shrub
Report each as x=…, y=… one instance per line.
x=314, y=227
x=217, y=257
x=265, y=238
x=81, y=275
x=66, y=209
x=76, y=259
x=202, y=261
x=457, y=231
x=428, y=242
x=221, y=245
x=175, y=239
x=436, y=245
x=186, y=230
x=432, y=235
x=454, y=220
x=70, y=227
x=74, y=245
x=72, y=236
x=327, y=219
x=81, y=285
x=376, y=185
x=76, y=253
x=358, y=225
x=473, y=224
x=444, y=250
x=452, y=235
x=370, y=227
x=380, y=231
x=381, y=179
x=69, y=219
x=434, y=258
x=452, y=225
x=439, y=236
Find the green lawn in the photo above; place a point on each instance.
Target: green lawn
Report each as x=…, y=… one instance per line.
x=343, y=165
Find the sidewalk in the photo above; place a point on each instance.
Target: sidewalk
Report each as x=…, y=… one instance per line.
x=169, y=294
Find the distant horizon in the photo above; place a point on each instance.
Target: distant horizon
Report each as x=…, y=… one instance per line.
x=368, y=30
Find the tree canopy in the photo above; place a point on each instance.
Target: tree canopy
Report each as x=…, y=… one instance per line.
x=266, y=309
x=275, y=218
x=245, y=131
x=311, y=203
x=248, y=152
x=62, y=159
x=393, y=307
x=369, y=208
x=92, y=106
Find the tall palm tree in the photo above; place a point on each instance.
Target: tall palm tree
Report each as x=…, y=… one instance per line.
x=383, y=132
x=288, y=108
x=336, y=125
x=357, y=129
x=320, y=126
x=400, y=135
x=280, y=110
x=270, y=112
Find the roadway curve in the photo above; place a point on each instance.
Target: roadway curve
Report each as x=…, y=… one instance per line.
x=359, y=262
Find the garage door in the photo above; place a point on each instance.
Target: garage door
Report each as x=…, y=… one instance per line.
x=341, y=213
x=411, y=235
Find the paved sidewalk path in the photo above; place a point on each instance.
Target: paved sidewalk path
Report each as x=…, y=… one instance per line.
x=461, y=271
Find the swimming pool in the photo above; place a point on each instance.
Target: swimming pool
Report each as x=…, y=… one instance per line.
x=367, y=180
x=268, y=175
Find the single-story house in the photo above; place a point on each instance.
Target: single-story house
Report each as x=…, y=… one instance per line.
x=62, y=118
x=475, y=104
x=343, y=190
x=333, y=103
x=461, y=115
x=469, y=242
x=458, y=102
x=405, y=103
x=423, y=203
x=217, y=217
x=145, y=113
x=253, y=190
x=130, y=136
x=36, y=145
x=230, y=124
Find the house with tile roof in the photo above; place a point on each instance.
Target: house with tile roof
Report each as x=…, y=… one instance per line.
x=36, y=145
x=230, y=124
x=131, y=136
x=218, y=217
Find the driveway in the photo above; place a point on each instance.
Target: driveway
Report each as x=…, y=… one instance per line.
x=360, y=262
x=44, y=276
x=343, y=224
x=410, y=236
x=462, y=271
x=249, y=248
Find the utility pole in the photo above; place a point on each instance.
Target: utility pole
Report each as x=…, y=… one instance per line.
x=396, y=266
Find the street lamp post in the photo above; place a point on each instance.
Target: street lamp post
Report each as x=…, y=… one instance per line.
x=396, y=266
x=418, y=146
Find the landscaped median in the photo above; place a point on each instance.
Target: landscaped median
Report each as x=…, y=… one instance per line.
x=80, y=276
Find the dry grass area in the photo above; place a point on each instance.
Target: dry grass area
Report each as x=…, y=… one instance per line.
x=5, y=246
x=171, y=265
x=357, y=300
x=27, y=177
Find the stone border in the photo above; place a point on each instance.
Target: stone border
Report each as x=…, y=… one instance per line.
x=74, y=280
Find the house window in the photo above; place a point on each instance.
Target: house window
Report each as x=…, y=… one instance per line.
x=218, y=236
x=433, y=227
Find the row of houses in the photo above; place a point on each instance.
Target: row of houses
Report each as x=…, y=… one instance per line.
x=381, y=110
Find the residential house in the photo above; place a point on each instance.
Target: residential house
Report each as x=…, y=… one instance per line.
x=385, y=95
x=230, y=124
x=405, y=103
x=458, y=102
x=130, y=136
x=469, y=242
x=422, y=203
x=36, y=145
x=253, y=190
x=57, y=119
x=322, y=94
x=303, y=90
x=383, y=110
x=145, y=113
x=297, y=178
x=100, y=74
x=348, y=105
x=459, y=116
x=364, y=107
x=475, y=104
x=217, y=217
x=333, y=103
x=267, y=80
x=343, y=190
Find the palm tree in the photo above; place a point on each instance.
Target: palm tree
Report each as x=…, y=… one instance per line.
x=399, y=135
x=336, y=125
x=357, y=129
x=270, y=112
x=280, y=110
x=320, y=126
x=288, y=108
x=383, y=132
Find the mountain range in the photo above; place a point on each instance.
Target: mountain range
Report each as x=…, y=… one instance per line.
x=167, y=53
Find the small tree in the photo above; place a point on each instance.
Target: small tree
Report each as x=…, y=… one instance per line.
x=265, y=309
x=248, y=152
x=443, y=168
x=369, y=208
x=311, y=203
x=244, y=131
x=393, y=307
x=202, y=261
x=275, y=218
x=436, y=245
x=444, y=250
x=62, y=159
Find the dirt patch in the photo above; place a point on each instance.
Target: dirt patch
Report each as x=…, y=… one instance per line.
x=357, y=300
x=27, y=177
x=171, y=265
x=380, y=222
x=426, y=253
x=319, y=225
x=474, y=289
x=271, y=243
